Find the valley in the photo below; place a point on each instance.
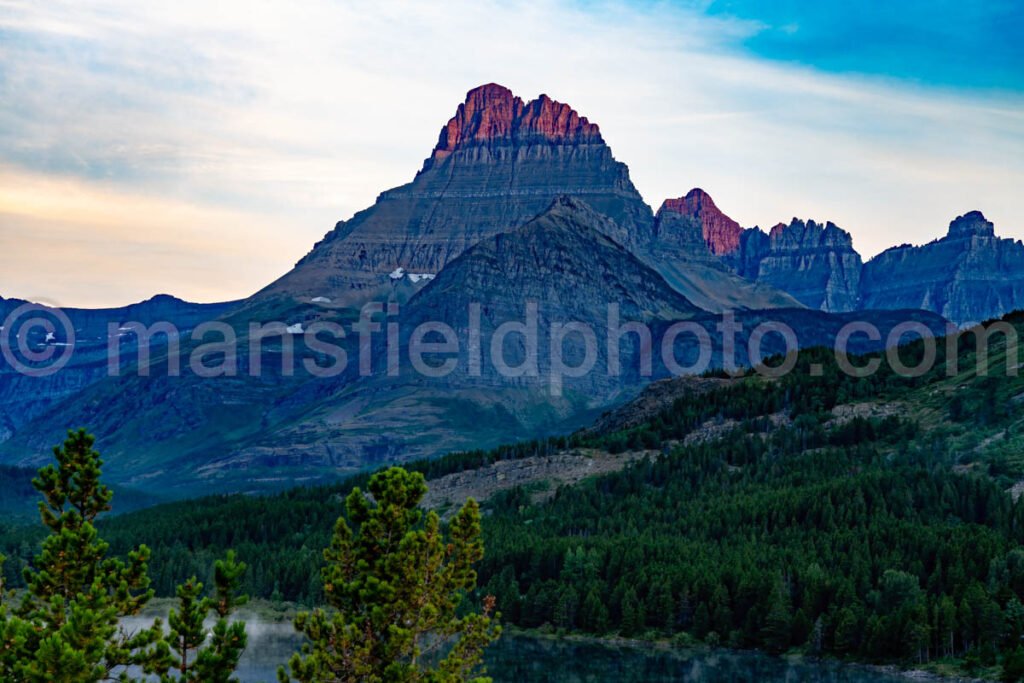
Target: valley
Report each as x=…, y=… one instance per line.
x=722, y=511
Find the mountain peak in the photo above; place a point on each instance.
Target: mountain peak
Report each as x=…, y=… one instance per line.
x=163, y=298
x=492, y=112
x=489, y=91
x=721, y=233
x=566, y=257
x=800, y=232
x=564, y=202
x=970, y=224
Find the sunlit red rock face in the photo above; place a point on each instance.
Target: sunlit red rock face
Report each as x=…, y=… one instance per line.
x=815, y=264
x=491, y=113
x=721, y=233
x=683, y=253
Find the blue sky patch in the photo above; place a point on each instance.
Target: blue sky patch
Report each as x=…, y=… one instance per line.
x=959, y=44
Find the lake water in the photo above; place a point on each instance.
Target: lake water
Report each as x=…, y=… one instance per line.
x=517, y=659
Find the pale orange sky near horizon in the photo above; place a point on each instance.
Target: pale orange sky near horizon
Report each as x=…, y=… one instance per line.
x=201, y=153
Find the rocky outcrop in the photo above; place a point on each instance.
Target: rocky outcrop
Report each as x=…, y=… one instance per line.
x=815, y=263
x=563, y=261
x=655, y=398
x=683, y=253
x=499, y=162
x=492, y=115
x=721, y=234
x=543, y=474
x=970, y=275
x=802, y=264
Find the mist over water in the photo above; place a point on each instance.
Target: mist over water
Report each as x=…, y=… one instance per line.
x=530, y=660
x=519, y=659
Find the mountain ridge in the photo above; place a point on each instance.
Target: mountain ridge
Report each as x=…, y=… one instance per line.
x=968, y=275
x=518, y=201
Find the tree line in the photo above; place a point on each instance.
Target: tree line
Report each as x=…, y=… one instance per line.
x=393, y=586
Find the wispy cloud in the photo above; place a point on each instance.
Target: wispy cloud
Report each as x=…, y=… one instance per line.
x=257, y=125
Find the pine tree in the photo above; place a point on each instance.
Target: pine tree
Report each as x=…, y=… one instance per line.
x=663, y=606
x=634, y=616
x=701, y=621
x=395, y=585
x=946, y=626
x=566, y=607
x=594, y=613
x=778, y=626
x=847, y=632
x=187, y=632
x=216, y=662
x=1013, y=667
x=66, y=627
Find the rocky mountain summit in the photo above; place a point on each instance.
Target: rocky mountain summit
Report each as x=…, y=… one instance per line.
x=968, y=276
x=721, y=233
x=498, y=162
x=492, y=116
x=815, y=263
x=687, y=232
x=971, y=224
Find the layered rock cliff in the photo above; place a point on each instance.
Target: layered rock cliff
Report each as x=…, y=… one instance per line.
x=498, y=162
x=803, y=263
x=687, y=233
x=815, y=263
x=970, y=275
x=721, y=234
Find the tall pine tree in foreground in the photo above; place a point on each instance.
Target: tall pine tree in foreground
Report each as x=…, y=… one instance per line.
x=394, y=586
x=216, y=662
x=67, y=627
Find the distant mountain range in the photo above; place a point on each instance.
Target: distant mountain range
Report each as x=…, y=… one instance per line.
x=968, y=276
x=23, y=397
x=518, y=202
x=500, y=161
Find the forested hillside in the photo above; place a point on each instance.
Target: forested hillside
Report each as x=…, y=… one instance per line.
x=865, y=517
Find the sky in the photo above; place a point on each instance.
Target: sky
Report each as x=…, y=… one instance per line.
x=201, y=148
